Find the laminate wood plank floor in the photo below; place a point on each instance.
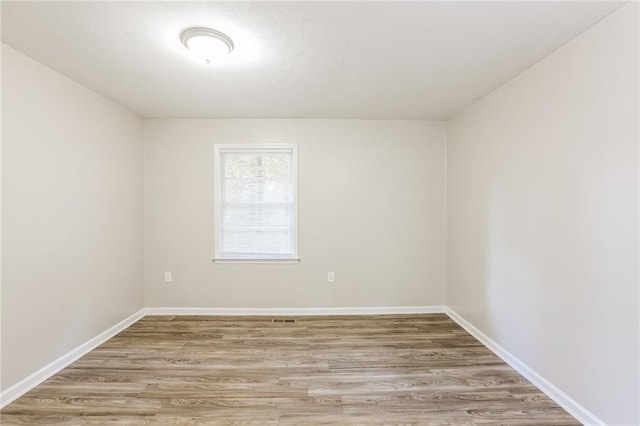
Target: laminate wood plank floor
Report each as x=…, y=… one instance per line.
x=368, y=370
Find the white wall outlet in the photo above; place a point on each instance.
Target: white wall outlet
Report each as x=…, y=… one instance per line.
x=331, y=277
x=167, y=277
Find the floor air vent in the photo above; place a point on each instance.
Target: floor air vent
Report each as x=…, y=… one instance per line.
x=288, y=321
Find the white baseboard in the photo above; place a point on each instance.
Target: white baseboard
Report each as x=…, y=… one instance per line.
x=384, y=310
x=571, y=406
x=562, y=399
x=25, y=385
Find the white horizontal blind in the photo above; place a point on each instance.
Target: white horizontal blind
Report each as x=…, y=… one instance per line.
x=256, y=210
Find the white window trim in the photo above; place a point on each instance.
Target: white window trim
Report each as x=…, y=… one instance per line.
x=217, y=258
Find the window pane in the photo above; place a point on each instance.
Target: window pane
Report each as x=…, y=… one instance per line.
x=257, y=190
x=253, y=165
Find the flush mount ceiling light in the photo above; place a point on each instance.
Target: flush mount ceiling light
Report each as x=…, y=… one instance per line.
x=206, y=43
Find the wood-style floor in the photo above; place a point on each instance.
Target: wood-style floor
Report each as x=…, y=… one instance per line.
x=392, y=369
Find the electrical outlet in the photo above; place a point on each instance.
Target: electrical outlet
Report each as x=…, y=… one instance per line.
x=167, y=277
x=331, y=277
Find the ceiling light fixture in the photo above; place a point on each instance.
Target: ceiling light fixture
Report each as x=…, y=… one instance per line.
x=206, y=43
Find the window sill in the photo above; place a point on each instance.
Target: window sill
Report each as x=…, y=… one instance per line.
x=293, y=260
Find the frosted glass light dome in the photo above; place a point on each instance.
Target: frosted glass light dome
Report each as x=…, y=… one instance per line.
x=207, y=44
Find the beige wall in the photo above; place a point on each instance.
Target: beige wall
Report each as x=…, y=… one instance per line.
x=72, y=215
x=372, y=209
x=543, y=217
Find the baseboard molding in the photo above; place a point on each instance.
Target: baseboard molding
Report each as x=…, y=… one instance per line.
x=384, y=310
x=570, y=405
x=562, y=399
x=25, y=385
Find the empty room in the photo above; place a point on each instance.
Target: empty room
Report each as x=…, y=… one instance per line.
x=292, y=213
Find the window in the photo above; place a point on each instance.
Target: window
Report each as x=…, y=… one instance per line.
x=256, y=195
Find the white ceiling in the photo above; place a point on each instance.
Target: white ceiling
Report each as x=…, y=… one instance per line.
x=410, y=60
